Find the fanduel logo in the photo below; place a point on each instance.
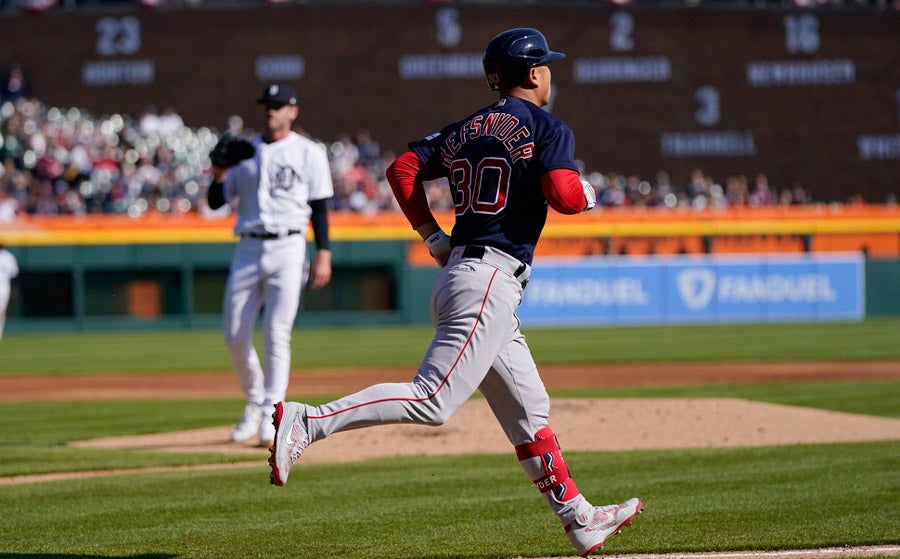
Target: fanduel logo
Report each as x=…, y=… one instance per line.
x=777, y=288
x=696, y=287
x=585, y=292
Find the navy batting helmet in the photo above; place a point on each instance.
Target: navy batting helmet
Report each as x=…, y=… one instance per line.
x=510, y=55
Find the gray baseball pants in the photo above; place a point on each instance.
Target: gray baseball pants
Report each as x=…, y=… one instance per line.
x=477, y=346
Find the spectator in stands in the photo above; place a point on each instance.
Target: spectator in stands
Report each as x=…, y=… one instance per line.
x=343, y=154
x=856, y=199
x=641, y=193
x=15, y=183
x=613, y=195
x=15, y=84
x=715, y=192
x=170, y=122
x=9, y=206
x=369, y=150
x=149, y=122
x=235, y=125
x=736, y=191
x=664, y=188
x=762, y=194
x=799, y=195
x=14, y=140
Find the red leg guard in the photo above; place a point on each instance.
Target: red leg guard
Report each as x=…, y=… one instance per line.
x=556, y=475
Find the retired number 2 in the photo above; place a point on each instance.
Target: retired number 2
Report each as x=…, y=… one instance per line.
x=482, y=189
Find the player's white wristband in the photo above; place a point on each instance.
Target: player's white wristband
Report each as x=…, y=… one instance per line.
x=590, y=195
x=438, y=243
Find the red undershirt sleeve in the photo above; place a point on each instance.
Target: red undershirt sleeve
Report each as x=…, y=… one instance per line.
x=405, y=176
x=563, y=191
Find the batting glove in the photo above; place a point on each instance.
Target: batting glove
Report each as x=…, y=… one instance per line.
x=590, y=195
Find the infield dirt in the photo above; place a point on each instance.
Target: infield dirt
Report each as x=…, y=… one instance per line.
x=632, y=423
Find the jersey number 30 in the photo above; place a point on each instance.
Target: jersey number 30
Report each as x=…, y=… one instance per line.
x=484, y=188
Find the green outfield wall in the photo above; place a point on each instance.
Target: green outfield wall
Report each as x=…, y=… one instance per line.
x=88, y=287
x=95, y=287
x=882, y=287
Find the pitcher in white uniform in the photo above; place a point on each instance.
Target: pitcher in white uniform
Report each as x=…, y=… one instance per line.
x=9, y=269
x=277, y=195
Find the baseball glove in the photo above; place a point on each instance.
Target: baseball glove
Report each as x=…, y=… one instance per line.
x=231, y=150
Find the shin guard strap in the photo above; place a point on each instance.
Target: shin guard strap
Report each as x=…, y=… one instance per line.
x=558, y=477
x=537, y=448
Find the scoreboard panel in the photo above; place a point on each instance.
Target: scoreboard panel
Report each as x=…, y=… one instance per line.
x=807, y=97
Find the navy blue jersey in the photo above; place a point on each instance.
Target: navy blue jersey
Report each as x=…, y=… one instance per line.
x=494, y=160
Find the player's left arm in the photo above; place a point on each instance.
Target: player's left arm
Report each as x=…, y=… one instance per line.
x=320, y=269
x=566, y=192
x=321, y=191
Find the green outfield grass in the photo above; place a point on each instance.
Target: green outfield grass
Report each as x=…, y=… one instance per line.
x=478, y=507
x=472, y=507
x=402, y=346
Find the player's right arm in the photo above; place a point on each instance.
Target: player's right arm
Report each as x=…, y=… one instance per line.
x=405, y=176
x=215, y=194
x=561, y=184
x=566, y=192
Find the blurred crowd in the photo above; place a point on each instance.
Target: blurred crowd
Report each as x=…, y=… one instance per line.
x=67, y=161
x=699, y=192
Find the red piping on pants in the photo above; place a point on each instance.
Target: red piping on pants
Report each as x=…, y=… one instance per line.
x=446, y=377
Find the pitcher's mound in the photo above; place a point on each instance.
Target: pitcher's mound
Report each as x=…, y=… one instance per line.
x=580, y=424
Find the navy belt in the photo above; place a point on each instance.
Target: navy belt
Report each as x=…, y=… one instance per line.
x=477, y=252
x=269, y=236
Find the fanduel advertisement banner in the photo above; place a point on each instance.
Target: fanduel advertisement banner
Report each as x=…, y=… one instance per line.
x=746, y=288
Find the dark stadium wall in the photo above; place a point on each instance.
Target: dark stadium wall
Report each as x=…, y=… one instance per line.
x=808, y=97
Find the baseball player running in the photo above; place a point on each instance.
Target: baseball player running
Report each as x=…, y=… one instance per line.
x=279, y=185
x=505, y=164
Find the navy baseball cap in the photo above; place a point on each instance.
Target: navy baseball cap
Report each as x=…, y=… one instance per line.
x=278, y=93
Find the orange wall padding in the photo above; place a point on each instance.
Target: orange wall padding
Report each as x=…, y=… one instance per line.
x=873, y=228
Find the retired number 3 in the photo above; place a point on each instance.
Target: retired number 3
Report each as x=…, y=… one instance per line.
x=484, y=188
